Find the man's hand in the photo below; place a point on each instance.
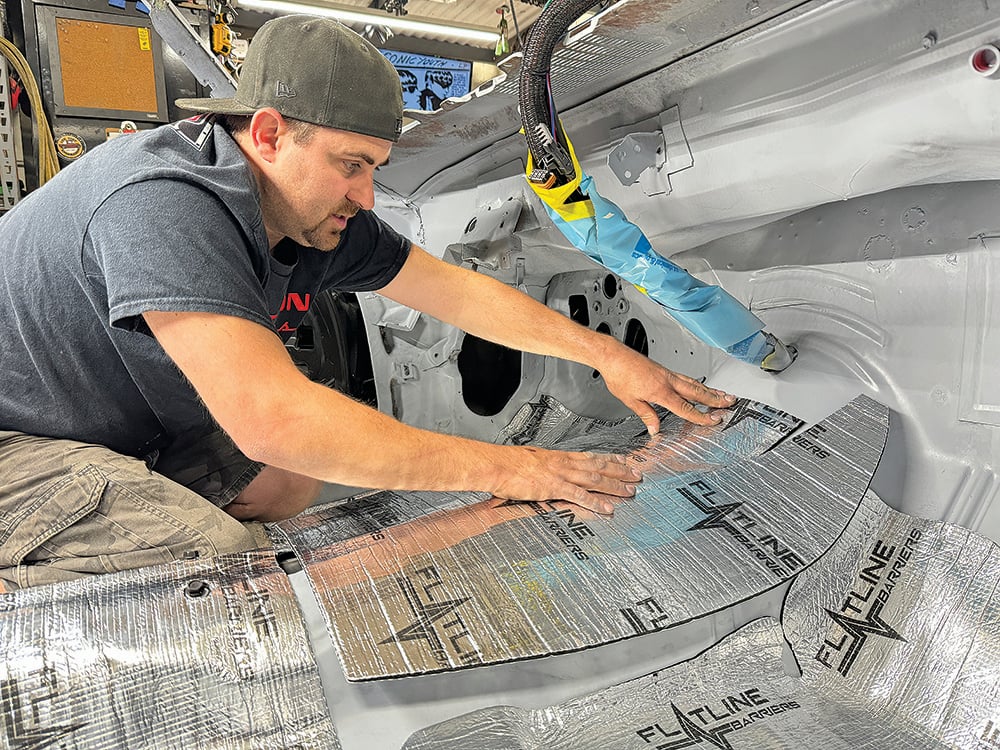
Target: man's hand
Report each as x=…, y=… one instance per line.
x=274, y=495
x=584, y=479
x=639, y=382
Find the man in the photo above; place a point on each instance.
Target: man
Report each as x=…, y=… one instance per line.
x=149, y=405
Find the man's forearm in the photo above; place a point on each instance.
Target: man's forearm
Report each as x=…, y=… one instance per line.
x=279, y=417
x=324, y=434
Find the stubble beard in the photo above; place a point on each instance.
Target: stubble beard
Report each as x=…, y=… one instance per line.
x=323, y=239
x=315, y=236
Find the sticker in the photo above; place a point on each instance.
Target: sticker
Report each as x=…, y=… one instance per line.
x=70, y=146
x=144, y=39
x=126, y=128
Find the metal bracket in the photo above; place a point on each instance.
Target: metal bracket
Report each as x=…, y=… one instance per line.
x=181, y=37
x=636, y=153
x=489, y=235
x=407, y=371
x=651, y=157
x=438, y=353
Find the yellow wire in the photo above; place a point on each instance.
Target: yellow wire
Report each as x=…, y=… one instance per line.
x=48, y=161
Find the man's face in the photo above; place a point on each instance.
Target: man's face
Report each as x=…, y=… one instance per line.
x=315, y=186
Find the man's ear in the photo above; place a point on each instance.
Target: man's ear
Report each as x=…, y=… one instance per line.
x=265, y=128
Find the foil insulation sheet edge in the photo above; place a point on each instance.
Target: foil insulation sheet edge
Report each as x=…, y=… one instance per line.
x=408, y=588
x=199, y=654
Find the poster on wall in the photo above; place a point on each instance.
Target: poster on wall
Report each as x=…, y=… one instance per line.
x=429, y=80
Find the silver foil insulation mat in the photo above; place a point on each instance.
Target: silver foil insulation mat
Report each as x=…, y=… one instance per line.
x=201, y=654
x=423, y=582
x=890, y=640
x=214, y=653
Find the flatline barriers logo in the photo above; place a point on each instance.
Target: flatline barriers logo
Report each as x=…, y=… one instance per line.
x=860, y=615
x=775, y=555
x=437, y=620
x=709, y=724
x=780, y=421
x=27, y=711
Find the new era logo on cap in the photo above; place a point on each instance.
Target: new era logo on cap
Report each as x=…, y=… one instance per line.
x=283, y=90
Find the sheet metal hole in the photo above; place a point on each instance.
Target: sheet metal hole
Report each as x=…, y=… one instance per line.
x=579, y=309
x=490, y=375
x=196, y=589
x=610, y=286
x=635, y=337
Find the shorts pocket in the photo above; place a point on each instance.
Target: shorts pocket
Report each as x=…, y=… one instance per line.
x=49, y=512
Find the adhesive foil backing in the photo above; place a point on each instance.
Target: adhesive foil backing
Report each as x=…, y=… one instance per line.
x=201, y=654
x=892, y=642
x=408, y=588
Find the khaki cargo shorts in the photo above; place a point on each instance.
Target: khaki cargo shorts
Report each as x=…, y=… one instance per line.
x=70, y=509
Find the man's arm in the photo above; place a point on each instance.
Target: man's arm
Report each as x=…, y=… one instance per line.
x=276, y=415
x=491, y=310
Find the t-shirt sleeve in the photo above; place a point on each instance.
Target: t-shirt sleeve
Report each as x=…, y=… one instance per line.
x=369, y=256
x=174, y=247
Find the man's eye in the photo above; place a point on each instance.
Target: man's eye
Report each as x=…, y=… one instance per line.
x=352, y=166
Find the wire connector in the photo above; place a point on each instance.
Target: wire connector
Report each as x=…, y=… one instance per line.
x=554, y=158
x=542, y=178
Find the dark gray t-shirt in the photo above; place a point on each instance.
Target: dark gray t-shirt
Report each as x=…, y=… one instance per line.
x=167, y=219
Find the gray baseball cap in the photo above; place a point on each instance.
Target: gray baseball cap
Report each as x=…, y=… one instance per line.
x=316, y=70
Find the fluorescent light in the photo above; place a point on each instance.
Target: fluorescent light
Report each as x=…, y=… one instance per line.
x=397, y=24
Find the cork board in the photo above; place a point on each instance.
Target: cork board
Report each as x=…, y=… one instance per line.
x=106, y=65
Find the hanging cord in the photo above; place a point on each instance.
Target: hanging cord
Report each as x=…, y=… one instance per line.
x=517, y=30
x=546, y=141
x=48, y=161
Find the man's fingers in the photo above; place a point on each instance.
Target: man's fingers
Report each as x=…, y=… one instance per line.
x=695, y=390
x=588, y=500
x=691, y=413
x=593, y=480
x=647, y=414
x=610, y=465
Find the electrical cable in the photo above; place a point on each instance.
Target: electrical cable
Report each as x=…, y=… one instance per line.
x=48, y=160
x=546, y=141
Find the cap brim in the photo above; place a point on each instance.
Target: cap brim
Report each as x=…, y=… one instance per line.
x=215, y=106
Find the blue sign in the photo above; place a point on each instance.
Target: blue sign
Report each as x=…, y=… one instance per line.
x=428, y=80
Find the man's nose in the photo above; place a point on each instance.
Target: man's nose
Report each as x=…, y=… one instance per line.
x=362, y=192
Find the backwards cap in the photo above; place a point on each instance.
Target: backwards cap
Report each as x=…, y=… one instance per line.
x=316, y=70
